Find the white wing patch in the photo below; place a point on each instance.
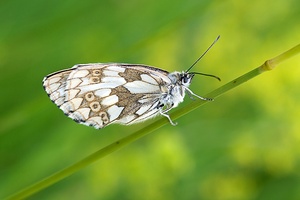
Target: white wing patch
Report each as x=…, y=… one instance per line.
x=92, y=87
x=102, y=92
x=141, y=87
x=73, y=83
x=79, y=74
x=113, y=80
x=82, y=113
x=76, y=102
x=70, y=94
x=54, y=80
x=109, y=73
x=53, y=87
x=127, y=119
x=148, y=79
x=143, y=109
x=116, y=68
x=114, y=112
x=110, y=100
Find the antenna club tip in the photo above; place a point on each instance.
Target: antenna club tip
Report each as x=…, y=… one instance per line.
x=219, y=79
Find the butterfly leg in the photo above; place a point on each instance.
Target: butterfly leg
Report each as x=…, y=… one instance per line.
x=191, y=94
x=165, y=113
x=169, y=118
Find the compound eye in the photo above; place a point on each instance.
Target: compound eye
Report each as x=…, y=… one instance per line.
x=184, y=79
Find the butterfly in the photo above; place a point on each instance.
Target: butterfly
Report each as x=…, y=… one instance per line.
x=100, y=94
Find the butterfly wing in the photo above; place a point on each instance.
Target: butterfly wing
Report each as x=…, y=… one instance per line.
x=100, y=94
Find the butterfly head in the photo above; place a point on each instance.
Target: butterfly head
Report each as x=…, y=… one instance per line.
x=181, y=78
x=186, y=78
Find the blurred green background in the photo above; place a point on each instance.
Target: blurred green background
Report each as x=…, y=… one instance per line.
x=244, y=145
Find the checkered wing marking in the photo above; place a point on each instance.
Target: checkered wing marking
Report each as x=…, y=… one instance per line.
x=101, y=94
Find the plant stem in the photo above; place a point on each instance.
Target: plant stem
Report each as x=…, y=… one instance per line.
x=268, y=65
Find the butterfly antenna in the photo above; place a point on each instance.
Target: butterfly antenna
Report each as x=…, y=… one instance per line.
x=206, y=75
x=202, y=54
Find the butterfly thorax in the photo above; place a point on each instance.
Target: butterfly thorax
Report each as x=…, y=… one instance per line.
x=176, y=88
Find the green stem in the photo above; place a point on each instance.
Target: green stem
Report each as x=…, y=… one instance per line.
x=268, y=65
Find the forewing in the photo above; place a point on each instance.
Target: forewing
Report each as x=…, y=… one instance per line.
x=100, y=94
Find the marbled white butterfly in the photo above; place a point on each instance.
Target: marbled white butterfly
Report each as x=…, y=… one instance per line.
x=100, y=94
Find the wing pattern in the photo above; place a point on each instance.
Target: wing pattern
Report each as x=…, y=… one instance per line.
x=101, y=94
